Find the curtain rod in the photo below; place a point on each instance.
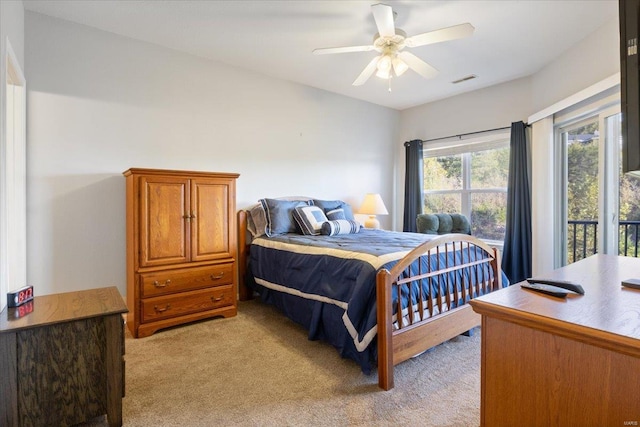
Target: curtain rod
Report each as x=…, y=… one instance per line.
x=465, y=134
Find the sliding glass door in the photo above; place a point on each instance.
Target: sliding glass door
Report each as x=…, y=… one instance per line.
x=588, y=211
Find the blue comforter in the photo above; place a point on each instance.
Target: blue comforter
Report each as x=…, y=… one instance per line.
x=327, y=284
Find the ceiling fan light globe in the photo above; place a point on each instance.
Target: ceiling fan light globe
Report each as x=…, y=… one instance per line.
x=384, y=64
x=399, y=66
x=383, y=74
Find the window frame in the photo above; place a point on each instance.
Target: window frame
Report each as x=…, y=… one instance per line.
x=466, y=146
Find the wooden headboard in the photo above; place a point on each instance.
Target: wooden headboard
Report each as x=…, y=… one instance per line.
x=244, y=292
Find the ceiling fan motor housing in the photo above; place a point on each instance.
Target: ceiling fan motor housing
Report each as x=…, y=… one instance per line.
x=390, y=45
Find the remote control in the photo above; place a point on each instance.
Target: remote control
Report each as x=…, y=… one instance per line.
x=564, y=284
x=545, y=289
x=631, y=283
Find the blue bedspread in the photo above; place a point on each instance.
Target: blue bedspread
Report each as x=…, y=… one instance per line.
x=333, y=281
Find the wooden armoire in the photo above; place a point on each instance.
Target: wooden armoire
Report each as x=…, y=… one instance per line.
x=181, y=247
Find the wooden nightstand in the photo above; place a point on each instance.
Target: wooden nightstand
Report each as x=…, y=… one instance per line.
x=61, y=359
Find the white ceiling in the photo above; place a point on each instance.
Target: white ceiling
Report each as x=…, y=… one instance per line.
x=512, y=38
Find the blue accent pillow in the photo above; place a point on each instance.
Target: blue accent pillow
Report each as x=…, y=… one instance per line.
x=279, y=214
x=309, y=219
x=329, y=205
x=340, y=226
x=336, y=214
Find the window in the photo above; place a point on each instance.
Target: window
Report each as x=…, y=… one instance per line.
x=470, y=177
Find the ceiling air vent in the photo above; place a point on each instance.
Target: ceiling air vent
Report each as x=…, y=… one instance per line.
x=464, y=79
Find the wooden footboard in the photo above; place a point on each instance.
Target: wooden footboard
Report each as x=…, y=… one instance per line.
x=472, y=269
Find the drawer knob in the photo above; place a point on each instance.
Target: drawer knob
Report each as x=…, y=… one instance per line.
x=160, y=309
x=162, y=285
x=218, y=299
x=217, y=276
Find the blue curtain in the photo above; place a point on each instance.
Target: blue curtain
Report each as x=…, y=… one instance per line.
x=516, y=258
x=413, y=183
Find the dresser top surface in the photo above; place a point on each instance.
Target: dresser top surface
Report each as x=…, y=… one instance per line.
x=64, y=307
x=606, y=306
x=145, y=171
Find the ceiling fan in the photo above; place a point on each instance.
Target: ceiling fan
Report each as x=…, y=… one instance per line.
x=390, y=42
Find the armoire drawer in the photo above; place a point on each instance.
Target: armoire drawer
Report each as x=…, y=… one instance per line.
x=186, y=303
x=172, y=281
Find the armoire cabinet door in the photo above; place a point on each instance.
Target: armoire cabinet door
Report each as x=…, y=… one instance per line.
x=210, y=225
x=164, y=220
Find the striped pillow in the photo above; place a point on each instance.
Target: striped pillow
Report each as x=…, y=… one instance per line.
x=309, y=219
x=340, y=226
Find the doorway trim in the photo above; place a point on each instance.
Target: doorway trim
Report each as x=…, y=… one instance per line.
x=13, y=230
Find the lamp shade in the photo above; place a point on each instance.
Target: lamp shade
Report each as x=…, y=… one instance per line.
x=372, y=206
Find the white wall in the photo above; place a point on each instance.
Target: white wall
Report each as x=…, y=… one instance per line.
x=12, y=249
x=12, y=26
x=99, y=104
x=593, y=59
x=493, y=107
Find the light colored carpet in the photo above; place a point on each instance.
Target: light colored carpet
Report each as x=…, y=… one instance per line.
x=259, y=369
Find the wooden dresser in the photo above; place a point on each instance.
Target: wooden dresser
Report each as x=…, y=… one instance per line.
x=181, y=247
x=556, y=362
x=61, y=359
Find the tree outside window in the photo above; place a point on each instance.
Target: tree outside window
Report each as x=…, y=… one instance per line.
x=582, y=197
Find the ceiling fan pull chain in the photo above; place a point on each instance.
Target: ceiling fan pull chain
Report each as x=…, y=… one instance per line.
x=389, y=83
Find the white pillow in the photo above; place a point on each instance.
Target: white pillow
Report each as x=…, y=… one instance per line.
x=309, y=219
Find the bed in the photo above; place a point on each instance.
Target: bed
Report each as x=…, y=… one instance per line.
x=379, y=297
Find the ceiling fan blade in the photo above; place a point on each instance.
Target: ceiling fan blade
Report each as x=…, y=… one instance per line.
x=418, y=65
x=383, y=15
x=437, y=36
x=367, y=72
x=328, y=50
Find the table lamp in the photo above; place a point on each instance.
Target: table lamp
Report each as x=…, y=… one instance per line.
x=372, y=206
